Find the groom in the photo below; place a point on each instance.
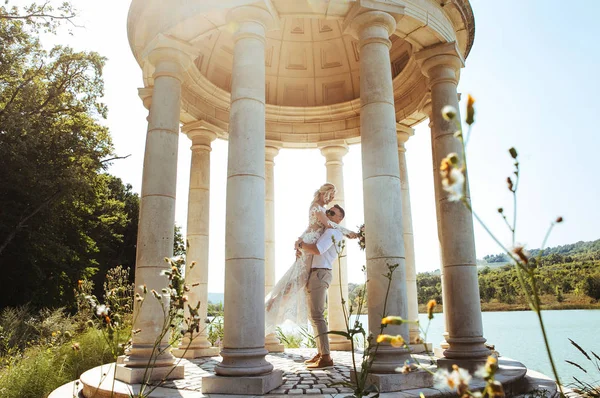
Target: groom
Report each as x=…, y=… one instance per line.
x=324, y=254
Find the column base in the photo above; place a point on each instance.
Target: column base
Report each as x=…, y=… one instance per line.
x=136, y=375
x=242, y=385
x=399, y=381
x=421, y=348
x=438, y=352
x=192, y=353
x=275, y=347
x=340, y=345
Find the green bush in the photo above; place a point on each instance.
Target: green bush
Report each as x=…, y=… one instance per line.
x=41, y=369
x=303, y=338
x=215, y=331
x=591, y=286
x=20, y=328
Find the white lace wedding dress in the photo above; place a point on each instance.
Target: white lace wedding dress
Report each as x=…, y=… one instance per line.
x=288, y=299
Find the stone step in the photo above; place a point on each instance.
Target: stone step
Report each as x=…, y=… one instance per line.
x=70, y=390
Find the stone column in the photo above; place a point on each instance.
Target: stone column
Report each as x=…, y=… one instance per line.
x=438, y=351
x=441, y=64
x=333, y=154
x=272, y=343
x=244, y=336
x=196, y=277
x=157, y=219
x=381, y=184
x=404, y=133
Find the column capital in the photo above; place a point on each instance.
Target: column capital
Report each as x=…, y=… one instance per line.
x=169, y=57
x=201, y=137
x=333, y=152
x=404, y=133
x=244, y=20
x=145, y=93
x=271, y=150
x=440, y=63
x=373, y=26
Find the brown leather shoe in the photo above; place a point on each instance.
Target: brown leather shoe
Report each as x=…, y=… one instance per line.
x=320, y=364
x=313, y=359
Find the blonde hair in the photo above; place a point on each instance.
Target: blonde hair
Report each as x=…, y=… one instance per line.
x=327, y=190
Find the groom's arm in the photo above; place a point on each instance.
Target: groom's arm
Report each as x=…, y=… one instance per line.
x=324, y=242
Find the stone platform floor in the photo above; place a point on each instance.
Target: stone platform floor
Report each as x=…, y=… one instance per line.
x=297, y=379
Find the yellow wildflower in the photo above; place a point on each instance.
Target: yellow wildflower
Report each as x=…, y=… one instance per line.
x=430, y=306
x=395, y=341
x=392, y=320
x=470, y=110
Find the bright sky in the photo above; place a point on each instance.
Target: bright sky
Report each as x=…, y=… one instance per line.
x=533, y=70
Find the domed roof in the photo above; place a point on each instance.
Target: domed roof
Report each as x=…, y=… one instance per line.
x=309, y=62
x=312, y=85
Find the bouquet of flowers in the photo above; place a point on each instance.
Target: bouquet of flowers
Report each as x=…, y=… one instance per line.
x=361, y=237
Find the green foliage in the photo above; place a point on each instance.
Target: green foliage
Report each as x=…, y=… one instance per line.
x=43, y=368
x=496, y=258
x=61, y=218
x=215, y=309
x=303, y=338
x=591, y=286
x=502, y=284
x=179, y=244
x=289, y=340
x=578, y=276
x=559, y=296
x=429, y=287
x=590, y=366
x=20, y=328
x=356, y=294
x=216, y=330
x=39, y=17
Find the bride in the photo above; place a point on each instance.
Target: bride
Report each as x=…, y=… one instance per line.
x=288, y=299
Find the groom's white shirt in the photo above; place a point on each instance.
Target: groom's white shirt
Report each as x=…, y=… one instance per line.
x=327, y=249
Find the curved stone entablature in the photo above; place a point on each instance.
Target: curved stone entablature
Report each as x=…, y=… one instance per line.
x=311, y=60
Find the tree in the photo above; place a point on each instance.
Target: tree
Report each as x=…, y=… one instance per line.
x=61, y=217
x=591, y=286
x=40, y=16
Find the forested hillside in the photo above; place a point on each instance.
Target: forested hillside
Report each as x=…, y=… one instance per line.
x=568, y=276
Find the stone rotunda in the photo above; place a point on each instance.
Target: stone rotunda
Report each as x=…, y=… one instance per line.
x=274, y=74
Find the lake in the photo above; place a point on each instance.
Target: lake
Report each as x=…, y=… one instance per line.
x=517, y=335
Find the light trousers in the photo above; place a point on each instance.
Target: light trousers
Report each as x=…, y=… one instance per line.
x=318, y=283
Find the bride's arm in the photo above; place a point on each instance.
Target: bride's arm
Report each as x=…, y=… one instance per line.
x=323, y=219
x=348, y=233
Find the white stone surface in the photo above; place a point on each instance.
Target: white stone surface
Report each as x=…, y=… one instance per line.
x=243, y=347
x=334, y=153
x=272, y=343
x=196, y=276
x=157, y=208
x=441, y=64
x=409, y=243
x=243, y=385
x=381, y=185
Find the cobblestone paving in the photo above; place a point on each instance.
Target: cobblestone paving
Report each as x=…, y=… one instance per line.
x=297, y=379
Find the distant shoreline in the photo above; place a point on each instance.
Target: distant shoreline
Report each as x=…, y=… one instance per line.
x=500, y=307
